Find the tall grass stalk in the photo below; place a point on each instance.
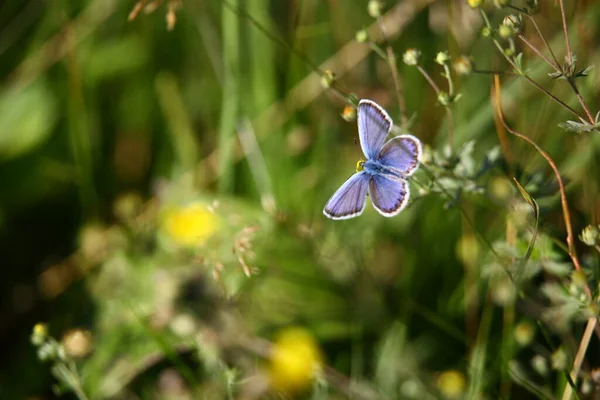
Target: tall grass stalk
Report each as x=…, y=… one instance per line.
x=230, y=101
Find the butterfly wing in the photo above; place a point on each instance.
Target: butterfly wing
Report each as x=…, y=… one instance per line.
x=388, y=194
x=349, y=200
x=374, y=124
x=403, y=153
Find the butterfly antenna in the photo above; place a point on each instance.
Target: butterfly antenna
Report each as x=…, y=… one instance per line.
x=356, y=144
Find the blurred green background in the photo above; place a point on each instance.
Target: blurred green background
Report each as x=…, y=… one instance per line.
x=165, y=175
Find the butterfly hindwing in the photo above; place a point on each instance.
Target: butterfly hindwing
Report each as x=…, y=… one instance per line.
x=388, y=194
x=402, y=153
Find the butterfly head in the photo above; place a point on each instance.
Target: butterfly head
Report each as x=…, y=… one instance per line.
x=360, y=165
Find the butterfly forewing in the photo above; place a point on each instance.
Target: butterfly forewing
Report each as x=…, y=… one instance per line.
x=403, y=153
x=349, y=200
x=374, y=124
x=389, y=195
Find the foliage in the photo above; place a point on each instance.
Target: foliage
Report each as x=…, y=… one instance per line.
x=164, y=165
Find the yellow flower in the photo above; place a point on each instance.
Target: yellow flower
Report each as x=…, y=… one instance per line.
x=191, y=225
x=451, y=384
x=295, y=360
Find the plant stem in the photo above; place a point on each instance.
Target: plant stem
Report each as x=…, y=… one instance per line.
x=539, y=53
x=230, y=96
x=449, y=78
x=391, y=59
x=519, y=72
x=566, y=30
x=583, y=346
x=553, y=97
x=448, y=111
x=580, y=98
x=429, y=80
x=537, y=28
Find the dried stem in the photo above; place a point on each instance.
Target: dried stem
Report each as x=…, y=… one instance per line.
x=592, y=324
x=429, y=80
x=563, y=195
x=566, y=30
x=556, y=67
x=583, y=346
x=398, y=87
x=521, y=73
x=553, y=97
x=580, y=98
x=537, y=28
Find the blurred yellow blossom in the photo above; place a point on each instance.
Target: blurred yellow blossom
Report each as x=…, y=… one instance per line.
x=77, y=342
x=452, y=384
x=295, y=360
x=191, y=225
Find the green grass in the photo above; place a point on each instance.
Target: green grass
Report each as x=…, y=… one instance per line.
x=118, y=139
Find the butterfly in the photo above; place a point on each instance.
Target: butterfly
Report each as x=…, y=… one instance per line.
x=384, y=172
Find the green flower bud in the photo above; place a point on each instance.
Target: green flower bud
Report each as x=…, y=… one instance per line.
x=513, y=21
x=509, y=52
x=506, y=31
x=524, y=333
x=485, y=32
x=559, y=359
x=374, y=8
x=411, y=57
x=442, y=58
x=444, y=99
x=327, y=79
x=540, y=365
x=362, y=36
x=590, y=235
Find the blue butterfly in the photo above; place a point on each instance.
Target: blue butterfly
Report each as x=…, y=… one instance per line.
x=384, y=172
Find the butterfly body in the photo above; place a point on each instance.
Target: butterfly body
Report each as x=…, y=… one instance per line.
x=384, y=172
x=374, y=167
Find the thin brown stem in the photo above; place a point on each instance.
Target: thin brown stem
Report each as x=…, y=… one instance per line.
x=429, y=80
x=583, y=346
x=563, y=195
x=450, y=127
x=397, y=86
x=520, y=72
x=566, y=30
x=581, y=101
x=489, y=72
x=539, y=53
x=537, y=28
x=553, y=97
x=391, y=59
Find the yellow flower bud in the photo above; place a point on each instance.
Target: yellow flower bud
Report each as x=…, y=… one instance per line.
x=327, y=79
x=349, y=113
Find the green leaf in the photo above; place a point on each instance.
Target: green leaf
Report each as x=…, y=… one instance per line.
x=27, y=117
x=536, y=213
